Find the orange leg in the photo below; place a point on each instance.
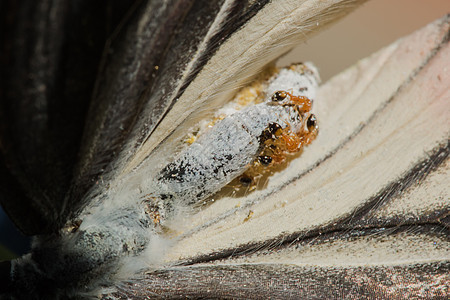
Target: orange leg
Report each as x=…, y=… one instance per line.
x=292, y=141
x=304, y=104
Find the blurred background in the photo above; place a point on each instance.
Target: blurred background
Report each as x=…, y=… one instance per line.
x=375, y=25
x=371, y=27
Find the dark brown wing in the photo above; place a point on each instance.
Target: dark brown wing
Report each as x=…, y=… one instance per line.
x=50, y=53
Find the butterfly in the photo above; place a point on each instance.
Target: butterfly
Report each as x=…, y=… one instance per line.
x=330, y=224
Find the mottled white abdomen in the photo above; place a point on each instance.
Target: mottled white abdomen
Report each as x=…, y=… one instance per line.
x=223, y=153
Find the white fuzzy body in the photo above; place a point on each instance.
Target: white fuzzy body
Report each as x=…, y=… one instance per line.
x=221, y=154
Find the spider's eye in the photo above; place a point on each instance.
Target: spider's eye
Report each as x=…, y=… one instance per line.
x=265, y=159
x=279, y=96
x=311, y=123
x=274, y=128
x=245, y=180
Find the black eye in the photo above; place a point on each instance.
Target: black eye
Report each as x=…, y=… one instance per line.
x=311, y=123
x=274, y=127
x=245, y=180
x=265, y=159
x=279, y=96
x=271, y=132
